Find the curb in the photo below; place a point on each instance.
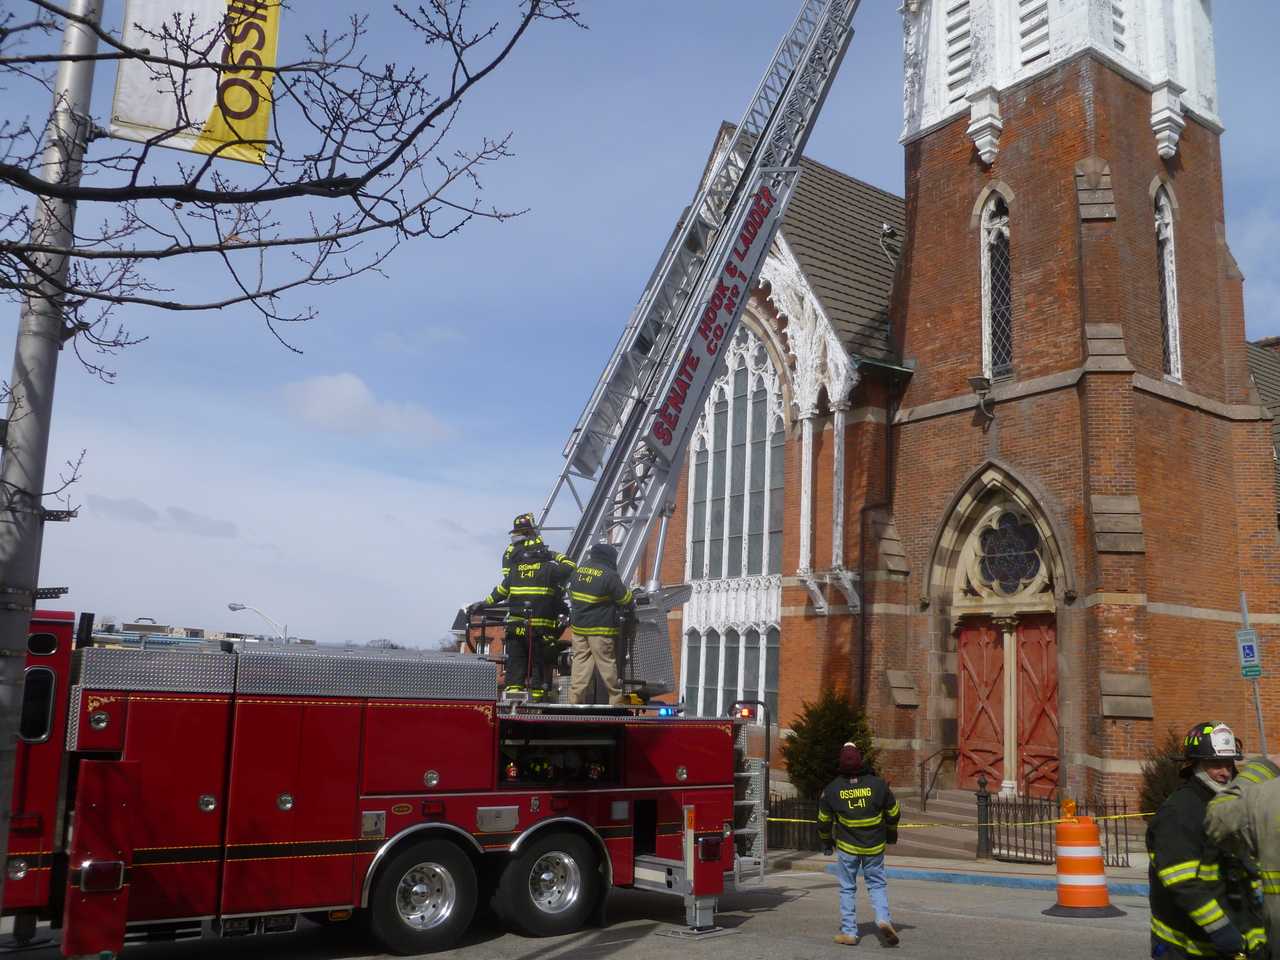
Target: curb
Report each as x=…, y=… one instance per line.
x=977, y=879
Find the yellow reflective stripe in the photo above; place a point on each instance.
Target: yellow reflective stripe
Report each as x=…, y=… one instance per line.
x=894, y=811
x=859, y=851
x=1255, y=937
x=1179, y=872
x=626, y=598
x=561, y=558
x=1209, y=873
x=1207, y=914
x=532, y=591
x=824, y=817
x=1271, y=881
x=868, y=822
x=1195, y=947
x=1256, y=772
x=588, y=597
x=596, y=631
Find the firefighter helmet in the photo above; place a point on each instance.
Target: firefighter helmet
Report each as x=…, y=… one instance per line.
x=1210, y=741
x=523, y=524
x=539, y=768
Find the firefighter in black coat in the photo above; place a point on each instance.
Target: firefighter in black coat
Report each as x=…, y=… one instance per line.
x=1203, y=901
x=533, y=584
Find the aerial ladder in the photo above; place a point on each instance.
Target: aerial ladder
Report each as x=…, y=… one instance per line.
x=624, y=455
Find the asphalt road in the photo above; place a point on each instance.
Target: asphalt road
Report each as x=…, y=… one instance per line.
x=793, y=917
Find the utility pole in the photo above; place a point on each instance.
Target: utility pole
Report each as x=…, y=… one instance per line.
x=35, y=364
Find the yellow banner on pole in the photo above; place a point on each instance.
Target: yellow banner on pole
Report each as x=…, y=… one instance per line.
x=202, y=85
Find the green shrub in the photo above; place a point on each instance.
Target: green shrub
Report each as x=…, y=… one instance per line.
x=812, y=752
x=1160, y=771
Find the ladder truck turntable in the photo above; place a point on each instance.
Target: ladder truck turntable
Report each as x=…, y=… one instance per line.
x=230, y=791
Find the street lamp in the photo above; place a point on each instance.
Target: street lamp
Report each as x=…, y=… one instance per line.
x=282, y=634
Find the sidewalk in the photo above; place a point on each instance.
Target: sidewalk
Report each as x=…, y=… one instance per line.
x=1121, y=881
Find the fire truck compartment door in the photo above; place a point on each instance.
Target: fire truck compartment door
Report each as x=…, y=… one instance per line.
x=181, y=741
x=292, y=822
x=101, y=857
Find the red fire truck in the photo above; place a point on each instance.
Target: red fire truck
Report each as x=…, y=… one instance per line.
x=229, y=791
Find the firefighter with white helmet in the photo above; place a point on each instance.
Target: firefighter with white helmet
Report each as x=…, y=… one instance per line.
x=1202, y=901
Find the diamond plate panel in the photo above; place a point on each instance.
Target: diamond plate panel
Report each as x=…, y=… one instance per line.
x=105, y=668
x=651, y=657
x=337, y=672
x=73, y=718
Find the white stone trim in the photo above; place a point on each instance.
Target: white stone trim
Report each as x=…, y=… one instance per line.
x=818, y=357
x=837, y=488
x=1164, y=220
x=1154, y=42
x=1167, y=118
x=805, y=564
x=985, y=123
x=740, y=603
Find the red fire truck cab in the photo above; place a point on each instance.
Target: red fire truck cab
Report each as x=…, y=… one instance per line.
x=228, y=791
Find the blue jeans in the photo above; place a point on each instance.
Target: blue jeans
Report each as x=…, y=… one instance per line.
x=847, y=866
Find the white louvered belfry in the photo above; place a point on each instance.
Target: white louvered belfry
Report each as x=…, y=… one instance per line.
x=959, y=49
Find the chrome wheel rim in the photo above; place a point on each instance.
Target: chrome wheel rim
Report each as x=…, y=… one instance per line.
x=426, y=896
x=555, y=882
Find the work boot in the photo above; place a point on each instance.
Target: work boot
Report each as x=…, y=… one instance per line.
x=847, y=939
x=890, y=935
x=513, y=691
x=537, y=693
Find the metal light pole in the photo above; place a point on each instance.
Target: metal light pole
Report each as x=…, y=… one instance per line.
x=35, y=362
x=282, y=634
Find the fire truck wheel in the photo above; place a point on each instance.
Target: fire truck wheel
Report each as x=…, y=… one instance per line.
x=550, y=887
x=424, y=898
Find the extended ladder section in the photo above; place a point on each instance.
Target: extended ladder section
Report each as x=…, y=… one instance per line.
x=629, y=442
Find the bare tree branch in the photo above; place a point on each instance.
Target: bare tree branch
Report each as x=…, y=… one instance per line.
x=361, y=157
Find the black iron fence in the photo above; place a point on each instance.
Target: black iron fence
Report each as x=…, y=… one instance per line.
x=1023, y=829
x=789, y=824
x=1014, y=829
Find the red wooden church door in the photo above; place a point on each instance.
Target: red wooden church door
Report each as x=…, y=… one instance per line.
x=1038, y=706
x=981, y=728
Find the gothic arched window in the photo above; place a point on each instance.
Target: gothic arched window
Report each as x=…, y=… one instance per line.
x=735, y=474
x=1165, y=263
x=997, y=290
x=721, y=667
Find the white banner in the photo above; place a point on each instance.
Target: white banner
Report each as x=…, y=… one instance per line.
x=224, y=110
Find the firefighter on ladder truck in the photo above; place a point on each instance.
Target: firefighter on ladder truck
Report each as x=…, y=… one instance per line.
x=534, y=580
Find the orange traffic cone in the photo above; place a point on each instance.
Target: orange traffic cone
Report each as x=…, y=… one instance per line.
x=1082, y=878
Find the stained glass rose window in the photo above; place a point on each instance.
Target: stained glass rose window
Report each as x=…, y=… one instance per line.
x=1009, y=553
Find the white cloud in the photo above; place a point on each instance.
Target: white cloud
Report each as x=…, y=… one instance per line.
x=343, y=403
x=337, y=550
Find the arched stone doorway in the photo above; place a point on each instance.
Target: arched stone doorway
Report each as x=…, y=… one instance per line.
x=998, y=566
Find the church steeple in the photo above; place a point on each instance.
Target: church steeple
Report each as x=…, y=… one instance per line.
x=961, y=54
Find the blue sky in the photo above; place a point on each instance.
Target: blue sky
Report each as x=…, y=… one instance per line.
x=363, y=488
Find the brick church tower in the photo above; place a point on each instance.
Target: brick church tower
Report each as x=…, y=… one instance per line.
x=1080, y=470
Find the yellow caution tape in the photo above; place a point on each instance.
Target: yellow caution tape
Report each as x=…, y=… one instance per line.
x=974, y=823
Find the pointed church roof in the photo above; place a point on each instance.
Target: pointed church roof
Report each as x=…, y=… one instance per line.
x=834, y=225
